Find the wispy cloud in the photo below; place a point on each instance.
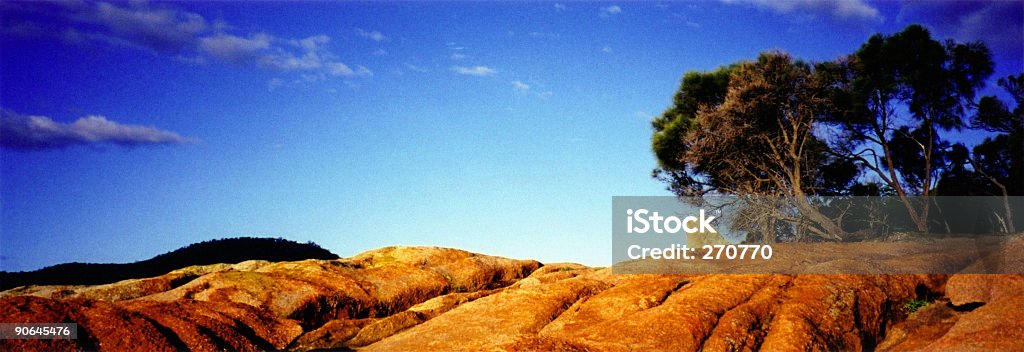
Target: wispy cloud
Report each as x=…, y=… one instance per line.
x=560, y=7
x=234, y=49
x=543, y=35
x=610, y=10
x=274, y=83
x=372, y=35
x=340, y=69
x=521, y=87
x=606, y=49
x=159, y=29
x=854, y=9
x=474, y=71
x=971, y=21
x=412, y=67
x=182, y=35
x=23, y=132
x=685, y=19
x=308, y=55
x=457, y=51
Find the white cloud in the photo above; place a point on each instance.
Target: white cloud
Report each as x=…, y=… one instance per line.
x=972, y=21
x=340, y=69
x=291, y=61
x=310, y=77
x=561, y=7
x=234, y=49
x=21, y=132
x=857, y=9
x=163, y=30
x=412, y=67
x=372, y=35
x=379, y=52
x=313, y=43
x=458, y=56
x=519, y=86
x=313, y=56
x=474, y=71
x=854, y=9
x=610, y=10
x=274, y=84
x=180, y=35
x=993, y=24
x=606, y=49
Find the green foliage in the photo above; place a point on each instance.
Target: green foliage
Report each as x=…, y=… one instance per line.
x=914, y=305
x=697, y=90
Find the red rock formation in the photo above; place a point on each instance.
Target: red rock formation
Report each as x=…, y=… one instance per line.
x=425, y=298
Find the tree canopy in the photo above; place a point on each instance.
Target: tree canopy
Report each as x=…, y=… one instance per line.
x=867, y=123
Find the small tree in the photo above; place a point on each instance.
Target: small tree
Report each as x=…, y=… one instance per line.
x=757, y=140
x=899, y=91
x=1000, y=159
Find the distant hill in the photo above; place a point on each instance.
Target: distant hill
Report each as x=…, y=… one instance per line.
x=230, y=250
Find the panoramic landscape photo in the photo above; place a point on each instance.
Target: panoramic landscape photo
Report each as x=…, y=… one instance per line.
x=733, y=175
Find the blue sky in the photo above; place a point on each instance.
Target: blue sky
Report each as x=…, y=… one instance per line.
x=130, y=129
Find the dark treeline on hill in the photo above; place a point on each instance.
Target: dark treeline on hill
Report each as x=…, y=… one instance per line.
x=230, y=250
x=881, y=121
